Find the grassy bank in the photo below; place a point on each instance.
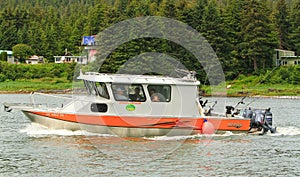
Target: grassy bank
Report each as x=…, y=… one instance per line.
x=43, y=85
x=232, y=88
x=262, y=90
x=281, y=81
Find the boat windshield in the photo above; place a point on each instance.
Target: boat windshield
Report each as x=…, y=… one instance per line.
x=128, y=92
x=97, y=89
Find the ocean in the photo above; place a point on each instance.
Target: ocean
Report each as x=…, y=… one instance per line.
x=28, y=149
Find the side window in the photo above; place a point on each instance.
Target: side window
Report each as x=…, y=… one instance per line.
x=120, y=92
x=126, y=92
x=97, y=88
x=160, y=93
x=86, y=86
x=136, y=93
x=90, y=87
x=102, y=90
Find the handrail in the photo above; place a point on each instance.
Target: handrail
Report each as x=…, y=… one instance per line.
x=46, y=94
x=32, y=99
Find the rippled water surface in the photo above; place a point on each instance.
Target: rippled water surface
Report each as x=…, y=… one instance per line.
x=31, y=150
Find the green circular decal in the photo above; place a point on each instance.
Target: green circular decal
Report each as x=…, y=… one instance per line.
x=130, y=107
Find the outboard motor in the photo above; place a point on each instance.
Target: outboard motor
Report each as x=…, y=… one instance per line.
x=247, y=113
x=269, y=117
x=260, y=122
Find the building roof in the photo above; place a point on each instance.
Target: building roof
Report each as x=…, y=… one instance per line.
x=9, y=52
x=284, y=50
x=34, y=57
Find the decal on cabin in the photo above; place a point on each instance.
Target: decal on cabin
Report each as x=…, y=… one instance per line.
x=130, y=107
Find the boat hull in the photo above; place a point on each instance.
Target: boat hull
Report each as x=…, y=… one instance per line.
x=137, y=126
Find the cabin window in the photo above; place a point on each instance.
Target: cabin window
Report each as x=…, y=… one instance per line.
x=160, y=93
x=127, y=92
x=90, y=87
x=102, y=90
x=97, y=88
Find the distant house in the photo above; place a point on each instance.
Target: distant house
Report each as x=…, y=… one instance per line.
x=70, y=59
x=35, y=59
x=290, y=60
x=286, y=58
x=10, y=57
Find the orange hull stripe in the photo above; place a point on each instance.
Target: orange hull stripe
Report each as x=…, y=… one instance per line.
x=231, y=124
x=151, y=122
x=127, y=121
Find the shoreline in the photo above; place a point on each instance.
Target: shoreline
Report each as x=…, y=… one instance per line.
x=257, y=96
x=281, y=97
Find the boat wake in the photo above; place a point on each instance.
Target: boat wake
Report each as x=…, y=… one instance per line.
x=198, y=136
x=286, y=131
x=281, y=131
x=37, y=130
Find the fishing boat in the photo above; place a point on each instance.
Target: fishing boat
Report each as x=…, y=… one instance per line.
x=135, y=106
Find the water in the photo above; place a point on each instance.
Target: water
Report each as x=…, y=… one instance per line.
x=31, y=150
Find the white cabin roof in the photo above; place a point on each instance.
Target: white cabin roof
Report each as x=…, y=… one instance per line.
x=137, y=79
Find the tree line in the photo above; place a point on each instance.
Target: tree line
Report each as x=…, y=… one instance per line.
x=243, y=33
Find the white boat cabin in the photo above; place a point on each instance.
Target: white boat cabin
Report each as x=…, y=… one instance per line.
x=125, y=94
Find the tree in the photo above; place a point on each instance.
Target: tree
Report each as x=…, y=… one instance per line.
x=37, y=37
x=258, y=44
x=22, y=51
x=8, y=30
x=232, y=27
x=184, y=12
x=282, y=23
x=137, y=8
x=3, y=56
x=198, y=11
x=167, y=9
x=96, y=19
x=212, y=29
x=294, y=36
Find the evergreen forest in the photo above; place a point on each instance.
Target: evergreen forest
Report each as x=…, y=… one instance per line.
x=243, y=33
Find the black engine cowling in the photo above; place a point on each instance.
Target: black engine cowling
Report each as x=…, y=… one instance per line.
x=260, y=119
